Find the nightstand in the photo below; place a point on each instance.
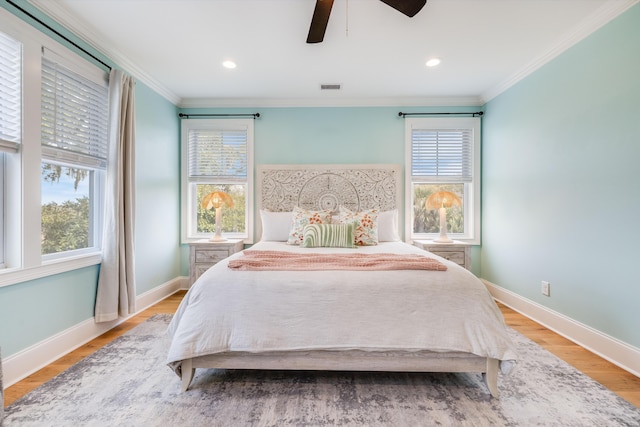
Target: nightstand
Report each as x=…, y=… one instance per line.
x=458, y=252
x=204, y=254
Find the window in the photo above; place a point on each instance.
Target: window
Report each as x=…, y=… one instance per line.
x=443, y=154
x=217, y=155
x=74, y=157
x=53, y=137
x=10, y=117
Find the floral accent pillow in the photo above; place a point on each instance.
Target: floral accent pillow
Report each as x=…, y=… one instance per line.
x=302, y=217
x=366, y=225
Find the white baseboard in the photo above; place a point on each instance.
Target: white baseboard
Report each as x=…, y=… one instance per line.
x=149, y=298
x=615, y=351
x=24, y=363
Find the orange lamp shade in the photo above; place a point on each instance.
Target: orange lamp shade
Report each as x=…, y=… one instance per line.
x=216, y=200
x=442, y=199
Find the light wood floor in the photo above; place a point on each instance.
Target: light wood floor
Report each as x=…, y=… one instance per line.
x=619, y=381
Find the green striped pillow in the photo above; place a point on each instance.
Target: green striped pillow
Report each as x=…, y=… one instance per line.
x=329, y=235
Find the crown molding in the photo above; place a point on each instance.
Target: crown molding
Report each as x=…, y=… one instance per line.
x=85, y=33
x=448, y=101
x=605, y=14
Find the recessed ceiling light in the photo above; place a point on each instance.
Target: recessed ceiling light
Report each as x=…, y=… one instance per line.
x=229, y=64
x=433, y=62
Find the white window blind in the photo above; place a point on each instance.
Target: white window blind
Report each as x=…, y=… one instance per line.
x=10, y=93
x=220, y=154
x=442, y=155
x=74, y=117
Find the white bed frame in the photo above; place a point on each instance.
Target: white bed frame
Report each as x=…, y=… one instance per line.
x=395, y=361
x=360, y=187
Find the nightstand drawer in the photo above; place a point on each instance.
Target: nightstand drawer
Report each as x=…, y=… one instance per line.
x=457, y=252
x=457, y=257
x=211, y=255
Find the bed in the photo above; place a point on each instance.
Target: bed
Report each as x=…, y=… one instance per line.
x=434, y=316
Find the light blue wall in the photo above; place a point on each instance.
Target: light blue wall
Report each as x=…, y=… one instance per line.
x=561, y=193
x=327, y=136
x=157, y=190
x=38, y=309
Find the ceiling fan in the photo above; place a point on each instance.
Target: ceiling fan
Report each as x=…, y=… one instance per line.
x=323, y=10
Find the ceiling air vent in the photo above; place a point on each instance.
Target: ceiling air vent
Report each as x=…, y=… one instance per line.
x=335, y=86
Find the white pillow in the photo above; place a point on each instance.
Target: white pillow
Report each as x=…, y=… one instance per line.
x=388, y=226
x=276, y=225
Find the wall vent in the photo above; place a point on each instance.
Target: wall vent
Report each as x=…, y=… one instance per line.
x=334, y=86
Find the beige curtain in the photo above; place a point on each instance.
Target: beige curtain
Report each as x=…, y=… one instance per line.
x=116, y=283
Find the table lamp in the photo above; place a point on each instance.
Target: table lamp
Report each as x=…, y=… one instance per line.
x=216, y=200
x=442, y=200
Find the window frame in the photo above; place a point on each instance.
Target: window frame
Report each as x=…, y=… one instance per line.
x=22, y=191
x=188, y=185
x=471, y=198
x=86, y=151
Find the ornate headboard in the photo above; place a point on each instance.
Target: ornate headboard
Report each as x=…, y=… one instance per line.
x=358, y=187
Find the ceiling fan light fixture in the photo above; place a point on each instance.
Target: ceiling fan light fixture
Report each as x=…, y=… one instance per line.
x=322, y=11
x=229, y=64
x=433, y=62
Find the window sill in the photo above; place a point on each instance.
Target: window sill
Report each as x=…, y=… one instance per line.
x=473, y=241
x=245, y=239
x=12, y=276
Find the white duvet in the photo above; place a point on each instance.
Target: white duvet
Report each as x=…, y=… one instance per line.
x=410, y=310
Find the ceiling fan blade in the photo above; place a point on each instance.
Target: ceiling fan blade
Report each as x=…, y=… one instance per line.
x=319, y=21
x=408, y=7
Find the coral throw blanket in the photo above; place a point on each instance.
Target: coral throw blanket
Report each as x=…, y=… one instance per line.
x=281, y=260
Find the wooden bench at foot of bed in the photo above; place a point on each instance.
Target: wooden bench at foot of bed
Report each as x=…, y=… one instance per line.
x=348, y=361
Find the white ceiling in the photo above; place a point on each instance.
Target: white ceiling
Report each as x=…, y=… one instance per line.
x=377, y=54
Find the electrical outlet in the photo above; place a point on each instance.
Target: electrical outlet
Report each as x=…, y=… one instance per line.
x=546, y=288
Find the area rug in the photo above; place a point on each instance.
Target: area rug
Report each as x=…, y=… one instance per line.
x=127, y=383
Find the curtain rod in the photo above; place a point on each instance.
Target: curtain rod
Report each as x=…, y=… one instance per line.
x=254, y=115
x=58, y=33
x=477, y=113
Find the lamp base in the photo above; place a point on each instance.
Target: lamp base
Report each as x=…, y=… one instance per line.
x=443, y=240
x=217, y=236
